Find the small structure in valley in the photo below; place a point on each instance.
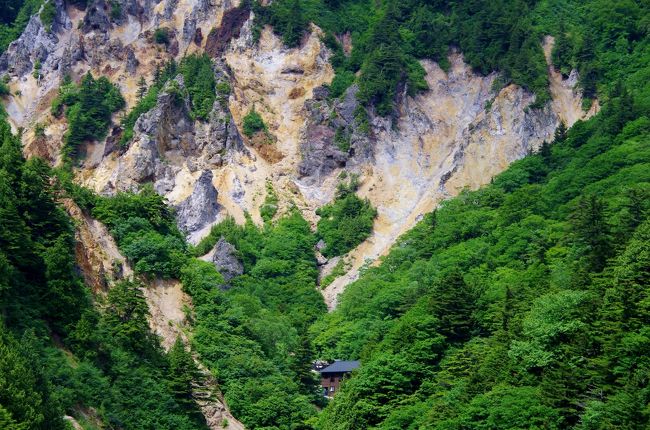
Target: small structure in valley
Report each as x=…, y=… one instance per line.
x=332, y=375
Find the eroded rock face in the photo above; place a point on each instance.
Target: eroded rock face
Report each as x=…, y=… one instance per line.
x=231, y=25
x=458, y=134
x=35, y=44
x=224, y=257
x=164, y=132
x=169, y=149
x=97, y=18
x=200, y=208
x=332, y=135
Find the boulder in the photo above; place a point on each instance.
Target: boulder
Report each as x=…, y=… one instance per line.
x=224, y=257
x=201, y=207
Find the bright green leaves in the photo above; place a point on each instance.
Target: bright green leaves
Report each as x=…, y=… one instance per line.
x=253, y=123
x=346, y=222
x=199, y=80
x=89, y=108
x=553, y=319
x=125, y=317
x=254, y=333
x=145, y=230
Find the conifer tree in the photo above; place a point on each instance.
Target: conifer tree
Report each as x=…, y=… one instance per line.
x=182, y=373
x=562, y=51
x=142, y=88
x=592, y=230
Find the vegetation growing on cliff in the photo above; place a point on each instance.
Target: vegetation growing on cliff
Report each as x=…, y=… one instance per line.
x=60, y=353
x=346, y=222
x=198, y=77
x=147, y=99
x=14, y=16
x=596, y=38
x=88, y=109
x=253, y=123
x=389, y=37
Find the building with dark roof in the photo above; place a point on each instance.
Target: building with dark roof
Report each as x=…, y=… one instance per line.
x=332, y=375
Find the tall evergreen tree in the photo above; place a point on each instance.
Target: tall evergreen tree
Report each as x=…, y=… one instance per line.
x=182, y=374
x=592, y=230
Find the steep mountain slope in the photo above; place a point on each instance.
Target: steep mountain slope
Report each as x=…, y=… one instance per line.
x=196, y=139
x=438, y=143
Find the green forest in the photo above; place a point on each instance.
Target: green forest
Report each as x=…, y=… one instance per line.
x=524, y=304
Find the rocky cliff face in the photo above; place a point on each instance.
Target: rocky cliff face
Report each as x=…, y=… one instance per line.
x=459, y=134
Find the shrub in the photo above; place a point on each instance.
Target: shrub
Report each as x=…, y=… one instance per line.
x=48, y=13
x=37, y=70
x=342, y=139
x=161, y=36
x=253, y=123
x=200, y=83
x=116, y=10
x=39, y=130
x=89, y=108
x=270, y=206
x=340, y=83
x=346, y=222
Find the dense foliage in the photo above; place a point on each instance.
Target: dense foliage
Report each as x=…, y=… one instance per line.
x=200, y=83
x=88, y=109
x=599, y=40
x=255, y=334
x=14, y=16
x=525, y=304
x=105, y=364
x=388, y=37
x=145, y=230
x=253, y=123
x=522, y=304
x=346, y=222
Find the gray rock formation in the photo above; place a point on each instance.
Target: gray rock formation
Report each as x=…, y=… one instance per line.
x=224, y=257
x=131, y=61
x=36, y=43
x=169, y=123
x=201, y=207
x=166, y=139
x=96, y=18
x=331, y=138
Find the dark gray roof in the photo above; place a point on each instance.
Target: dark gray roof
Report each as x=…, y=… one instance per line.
x=341, y=366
